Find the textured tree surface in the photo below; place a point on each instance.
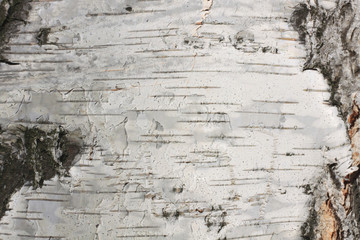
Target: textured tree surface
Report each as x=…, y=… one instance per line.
x=164, y=119
x=32, y=155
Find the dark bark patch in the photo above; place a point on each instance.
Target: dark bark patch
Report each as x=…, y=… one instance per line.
x=12, y=13
x=309, y=226
x=43, y=36
x=28, y=155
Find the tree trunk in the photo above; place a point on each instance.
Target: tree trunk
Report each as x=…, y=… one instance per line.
x=189, y=119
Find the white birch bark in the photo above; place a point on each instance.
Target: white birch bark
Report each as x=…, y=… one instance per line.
x=198, y=120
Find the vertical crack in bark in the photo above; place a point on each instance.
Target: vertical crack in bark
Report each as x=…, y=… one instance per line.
x=207, y=5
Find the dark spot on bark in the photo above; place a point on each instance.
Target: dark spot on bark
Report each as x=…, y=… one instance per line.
x=241, y=38
x=170, y=214
x=178, y=189
x=333, y=177
x=196, y=43
x=222, y=223
x=71, y=68
x=208, y=221
x=6, y=61
x=129, y=9
x=214, y=220
x=43, y=36
x=269, y=49
x=307, y=189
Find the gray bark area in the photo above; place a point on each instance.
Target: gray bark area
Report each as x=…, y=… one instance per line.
x=191, y=119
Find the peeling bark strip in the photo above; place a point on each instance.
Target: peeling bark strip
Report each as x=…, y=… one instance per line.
x=329, y=224
x=331, y=36
x=33, y=155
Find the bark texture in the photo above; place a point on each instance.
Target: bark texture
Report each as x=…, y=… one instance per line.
x=30, y=155
x=13, y=13
x=331, y=36
x=198, y=121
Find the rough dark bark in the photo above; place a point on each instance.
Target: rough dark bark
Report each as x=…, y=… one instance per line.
x=12, y=14
x=27, y=156
x=331, y=39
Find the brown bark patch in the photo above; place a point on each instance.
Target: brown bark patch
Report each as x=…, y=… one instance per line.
x=329, y=225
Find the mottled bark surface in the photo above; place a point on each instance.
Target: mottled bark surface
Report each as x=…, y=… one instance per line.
x=198, y=118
